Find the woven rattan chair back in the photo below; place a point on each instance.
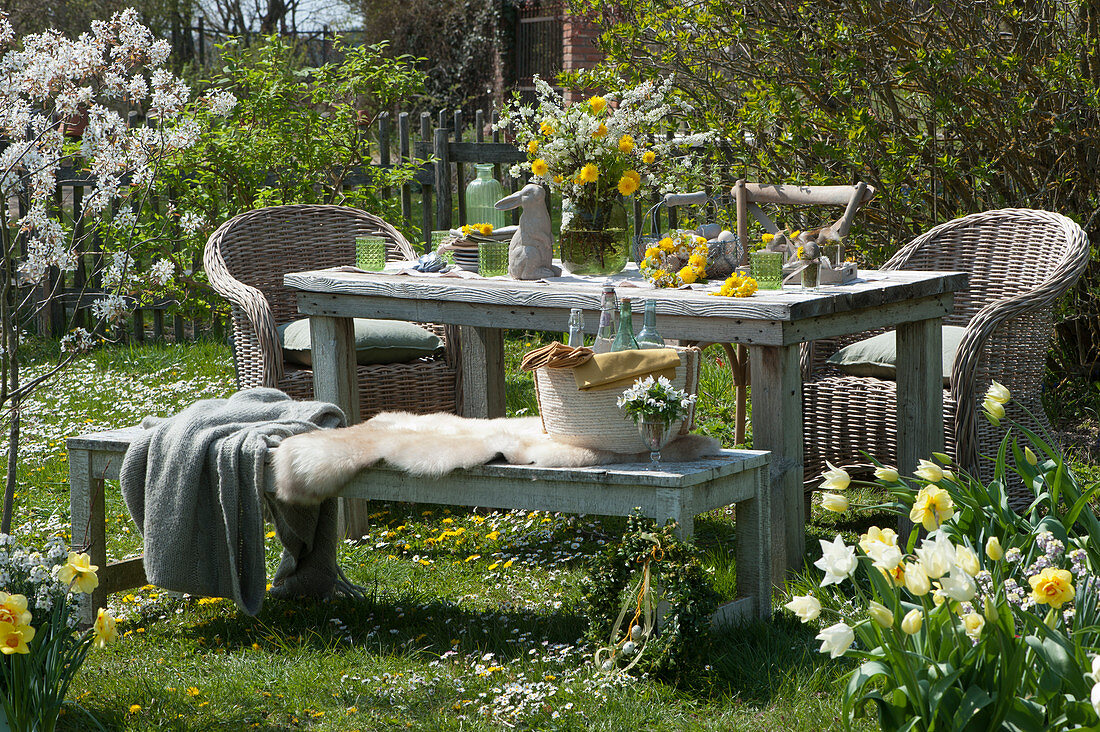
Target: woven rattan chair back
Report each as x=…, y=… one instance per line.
x=246, y=259
x=259, y=247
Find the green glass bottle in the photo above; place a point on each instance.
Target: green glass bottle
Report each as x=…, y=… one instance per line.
x=624, y=339
x=648, y=337
x=481, y=196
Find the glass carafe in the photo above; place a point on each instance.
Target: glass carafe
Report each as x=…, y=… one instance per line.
x=481, y=196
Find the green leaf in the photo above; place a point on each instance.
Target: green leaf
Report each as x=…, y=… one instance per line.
x=973, y=700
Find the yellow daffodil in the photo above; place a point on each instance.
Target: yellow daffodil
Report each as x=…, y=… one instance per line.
x=539, y=167
x=932, y=507
x=835, y=479
x=648, y=157
x=875, y=535
x=597, y=104
x=993, y=549
x=998, y=393
x=106, y=628
x=589, y=173
x=13, y=609
x=79, y=573
x=1052, y=587
x=533, y=146
x=14, y=638
x=627, y=185
x=626, y=143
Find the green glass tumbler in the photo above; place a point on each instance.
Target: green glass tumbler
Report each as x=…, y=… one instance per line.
x=492, y=258
x=767, y=269
x=438, y=237
x=370, y=253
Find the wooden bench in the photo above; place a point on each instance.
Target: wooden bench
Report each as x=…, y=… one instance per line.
x=677, y=491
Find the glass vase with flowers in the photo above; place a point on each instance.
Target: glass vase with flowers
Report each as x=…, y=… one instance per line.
x=595, y=154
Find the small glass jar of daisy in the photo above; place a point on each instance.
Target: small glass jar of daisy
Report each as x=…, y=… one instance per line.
x=596, y=155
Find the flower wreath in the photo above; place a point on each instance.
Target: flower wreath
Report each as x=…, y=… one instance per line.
x=619, y=593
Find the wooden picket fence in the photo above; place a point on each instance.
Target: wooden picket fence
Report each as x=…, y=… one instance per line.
x=448, y=141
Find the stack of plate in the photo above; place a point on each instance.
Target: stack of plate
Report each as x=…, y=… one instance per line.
x=465, y=255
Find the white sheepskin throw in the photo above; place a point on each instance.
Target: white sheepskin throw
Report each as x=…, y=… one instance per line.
x=313, y=466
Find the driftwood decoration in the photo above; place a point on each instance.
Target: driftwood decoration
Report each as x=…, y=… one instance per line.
x=531, y=251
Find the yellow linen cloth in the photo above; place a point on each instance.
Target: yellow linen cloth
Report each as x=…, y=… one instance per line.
x=555, y=356
x=620, y=369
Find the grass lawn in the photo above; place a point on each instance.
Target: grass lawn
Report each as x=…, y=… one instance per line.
x=480, y=629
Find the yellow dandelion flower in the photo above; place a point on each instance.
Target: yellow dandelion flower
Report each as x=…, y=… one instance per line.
x=589, y=173
x=628, y=185
x=648, y=157
x=546, y=128
x=666, y=244
x=767, y=238
x=600, y=131
x=485, y=229
x=597, y=104
x=652, y=252
x=533, y=146
x=687, y=275
x=539, y=167
x=697, y=260
x=626, y=143
x=559, y=179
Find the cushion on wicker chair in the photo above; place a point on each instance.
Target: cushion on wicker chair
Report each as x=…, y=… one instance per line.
x=877, y=356
x=376, y=341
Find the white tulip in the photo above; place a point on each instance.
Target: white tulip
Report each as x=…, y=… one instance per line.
x=837, y=561
x=880, y=614
x=834, y=502
x=967, y=560
x=958, y=585
x=836, y=639
x=929, y=471
x=912, y=621
x=835, y=479
x=936, y=555
x=806, y=607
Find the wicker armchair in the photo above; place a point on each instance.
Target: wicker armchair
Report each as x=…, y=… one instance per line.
x=246, y=259
x=1019, y=262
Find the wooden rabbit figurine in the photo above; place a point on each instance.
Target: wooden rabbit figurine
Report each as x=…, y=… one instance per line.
x=531, y=251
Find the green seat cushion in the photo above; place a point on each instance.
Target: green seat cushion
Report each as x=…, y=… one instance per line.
x=376, y=341
x=877, y=356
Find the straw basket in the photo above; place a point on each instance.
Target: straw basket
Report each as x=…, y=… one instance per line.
x=593, y=419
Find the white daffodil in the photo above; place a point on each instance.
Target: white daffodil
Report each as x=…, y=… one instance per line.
x=837, y=561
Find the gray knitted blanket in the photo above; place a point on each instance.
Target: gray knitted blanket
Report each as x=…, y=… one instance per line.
x=194, y=485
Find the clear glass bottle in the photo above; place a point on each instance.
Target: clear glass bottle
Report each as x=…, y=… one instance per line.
x=576, y=328
x=605, y=336
x=624, y=338
x=482, y=193
x=609, y=301
x=648, y=337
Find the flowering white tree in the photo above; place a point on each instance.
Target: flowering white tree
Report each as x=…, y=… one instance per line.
x=47, y=81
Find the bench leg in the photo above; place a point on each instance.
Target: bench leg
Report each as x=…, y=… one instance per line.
x=88, y=525
x=754, y=536
x=676, y=505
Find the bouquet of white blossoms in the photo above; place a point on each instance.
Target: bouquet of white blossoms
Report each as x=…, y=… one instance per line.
x=655, y=400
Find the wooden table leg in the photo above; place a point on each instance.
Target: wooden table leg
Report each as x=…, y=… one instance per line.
x=88, y=525
x=335, y=379
x=777, y=427
x=920, y=395
x=481, y=369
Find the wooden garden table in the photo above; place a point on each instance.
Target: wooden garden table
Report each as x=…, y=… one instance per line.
x=771, y=323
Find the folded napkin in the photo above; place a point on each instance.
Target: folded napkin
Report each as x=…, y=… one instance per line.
x=620, y=369
x=555, y=356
